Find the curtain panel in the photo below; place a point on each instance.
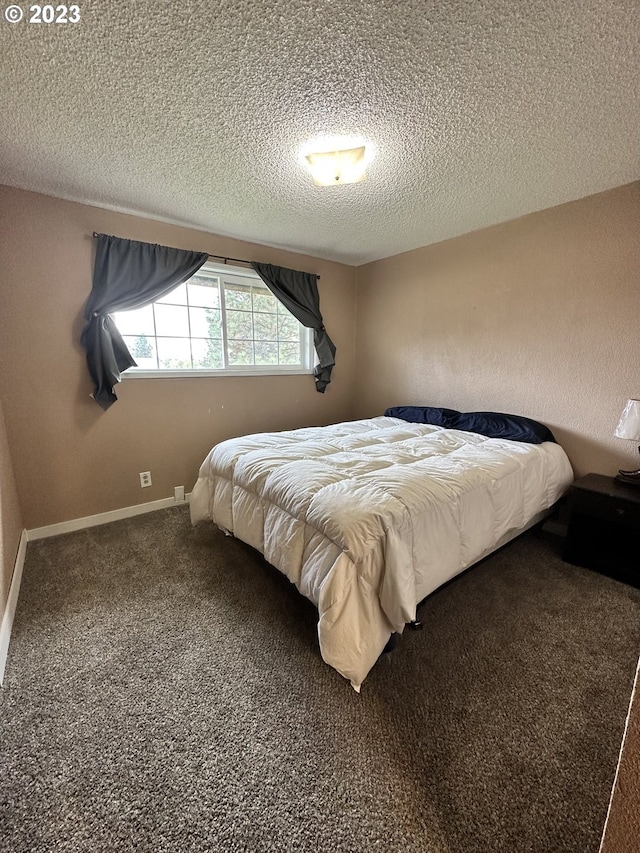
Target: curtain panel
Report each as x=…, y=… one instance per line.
x=127, y=274
x=298, y=292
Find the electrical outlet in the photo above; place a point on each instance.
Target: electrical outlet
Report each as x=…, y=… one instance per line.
x=145, y=479
x=178, y=494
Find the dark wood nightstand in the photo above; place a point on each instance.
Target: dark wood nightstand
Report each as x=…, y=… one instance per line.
x=604, y=527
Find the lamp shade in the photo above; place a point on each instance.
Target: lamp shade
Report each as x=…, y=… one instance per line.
x=629, y=423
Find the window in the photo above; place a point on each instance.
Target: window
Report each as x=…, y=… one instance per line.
x=223, y=320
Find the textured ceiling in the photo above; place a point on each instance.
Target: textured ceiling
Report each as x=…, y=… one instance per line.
x=480, y=111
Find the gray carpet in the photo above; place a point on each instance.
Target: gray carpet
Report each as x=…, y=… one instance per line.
x=164, y=692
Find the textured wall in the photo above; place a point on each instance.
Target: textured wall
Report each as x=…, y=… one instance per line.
x=10, y=516
x=539, y=316
x=70, y=458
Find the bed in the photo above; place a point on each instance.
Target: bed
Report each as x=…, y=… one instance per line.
x=368, y=517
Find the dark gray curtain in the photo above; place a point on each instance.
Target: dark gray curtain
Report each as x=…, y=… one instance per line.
x=298, y=291
x=126, y=274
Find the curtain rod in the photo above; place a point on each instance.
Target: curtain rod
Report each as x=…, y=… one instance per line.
x=217, y=257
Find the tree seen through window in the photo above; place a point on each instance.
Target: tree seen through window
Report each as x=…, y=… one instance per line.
x=217, y=320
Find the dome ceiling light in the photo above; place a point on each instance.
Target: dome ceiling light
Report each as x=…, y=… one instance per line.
x=337, y=161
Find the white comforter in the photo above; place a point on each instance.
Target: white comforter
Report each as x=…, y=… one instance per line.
x=369, y=517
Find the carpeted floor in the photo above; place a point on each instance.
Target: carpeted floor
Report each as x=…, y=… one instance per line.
x=164, y=692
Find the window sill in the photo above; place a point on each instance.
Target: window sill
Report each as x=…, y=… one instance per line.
x=198, y=374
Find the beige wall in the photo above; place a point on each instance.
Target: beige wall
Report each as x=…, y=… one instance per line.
x=70, y=458
x=10, y=516
x=539, y=317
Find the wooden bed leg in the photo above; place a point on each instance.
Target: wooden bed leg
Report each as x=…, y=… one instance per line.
x=415, y=625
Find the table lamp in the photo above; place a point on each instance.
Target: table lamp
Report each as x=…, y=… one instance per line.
x=629, y=427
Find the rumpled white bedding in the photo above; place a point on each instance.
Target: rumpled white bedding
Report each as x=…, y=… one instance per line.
x=370, y=516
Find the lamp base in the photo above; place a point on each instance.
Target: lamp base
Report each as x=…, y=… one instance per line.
x=629, y=477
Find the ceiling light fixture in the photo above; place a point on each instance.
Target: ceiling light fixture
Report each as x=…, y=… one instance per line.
x=333, y=161
x=332, y=168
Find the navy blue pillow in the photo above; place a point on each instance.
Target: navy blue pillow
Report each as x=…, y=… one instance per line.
x=499, y=425
x=491, y=424
x=424, y=415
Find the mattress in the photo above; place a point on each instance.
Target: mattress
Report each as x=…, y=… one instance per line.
x=368, y=517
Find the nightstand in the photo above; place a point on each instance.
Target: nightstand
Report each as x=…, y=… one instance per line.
x=604, y=527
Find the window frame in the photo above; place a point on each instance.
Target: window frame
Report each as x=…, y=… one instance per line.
x=221, y=270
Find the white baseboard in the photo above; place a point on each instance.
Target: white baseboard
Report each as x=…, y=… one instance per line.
x=12, y=600
x=102, y=518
